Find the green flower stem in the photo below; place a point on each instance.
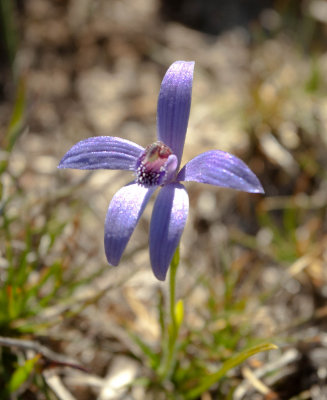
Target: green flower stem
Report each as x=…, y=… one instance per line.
x=175, y=322
x=172, y=287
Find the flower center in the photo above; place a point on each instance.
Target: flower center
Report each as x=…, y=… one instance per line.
x=151, y=165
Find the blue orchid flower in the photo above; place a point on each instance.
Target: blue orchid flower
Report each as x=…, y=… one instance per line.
x=157, y=166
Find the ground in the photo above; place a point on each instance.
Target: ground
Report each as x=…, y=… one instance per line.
x=252, y=267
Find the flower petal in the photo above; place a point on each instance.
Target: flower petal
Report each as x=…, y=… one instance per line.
x=102, y=152
x=124, y=211
x=174, y=105
x=167, y=224
x=222, y=169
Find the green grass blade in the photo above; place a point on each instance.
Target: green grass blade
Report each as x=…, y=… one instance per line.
x=16, y=124
x=21, y=374
x=17, y=117
x=153, y=358
x=233, y=362
x=8, y=29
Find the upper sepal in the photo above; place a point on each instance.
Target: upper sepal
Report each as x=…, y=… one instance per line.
x=174, y=105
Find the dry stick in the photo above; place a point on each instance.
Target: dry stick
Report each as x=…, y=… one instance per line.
x=50, y=356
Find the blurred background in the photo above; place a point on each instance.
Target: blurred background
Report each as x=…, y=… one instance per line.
x=252, y=267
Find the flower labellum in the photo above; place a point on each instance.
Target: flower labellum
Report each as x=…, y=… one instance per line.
x=151, y=165
x=157, y=166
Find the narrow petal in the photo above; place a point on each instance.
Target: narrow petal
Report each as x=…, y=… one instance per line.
x=174, y=105
x=102, y=152
x=167, y=224
x=219, y=168
x=124, y=211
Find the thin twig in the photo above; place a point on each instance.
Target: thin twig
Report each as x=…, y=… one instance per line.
x=52, y=358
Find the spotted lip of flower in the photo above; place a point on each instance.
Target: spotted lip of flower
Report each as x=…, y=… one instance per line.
x=157, y=166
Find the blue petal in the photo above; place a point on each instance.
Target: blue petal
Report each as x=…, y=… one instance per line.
x=174, y=105
x=124, y=211
x=221, y=169
x=167, y=224
x=102, y=152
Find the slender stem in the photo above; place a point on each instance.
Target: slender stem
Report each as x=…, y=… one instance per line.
x=172, y=287
x=173, y=327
